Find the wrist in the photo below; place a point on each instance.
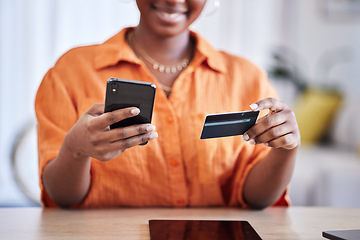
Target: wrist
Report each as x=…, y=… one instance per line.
x=284, y=151
x=70, y=149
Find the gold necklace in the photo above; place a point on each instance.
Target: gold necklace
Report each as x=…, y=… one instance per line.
x=155, y=65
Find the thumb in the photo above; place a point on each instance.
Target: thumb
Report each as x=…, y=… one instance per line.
x=272, y=104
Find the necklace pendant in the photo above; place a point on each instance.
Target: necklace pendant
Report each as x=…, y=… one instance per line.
x=185, y=63
x=155, y=65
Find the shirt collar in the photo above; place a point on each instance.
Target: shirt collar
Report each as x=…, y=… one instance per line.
x=207, y=54
x=116, y=49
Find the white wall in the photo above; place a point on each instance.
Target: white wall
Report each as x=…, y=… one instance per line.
x=329, y=45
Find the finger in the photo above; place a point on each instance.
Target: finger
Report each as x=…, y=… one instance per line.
x=264, y=124
x=109, y=118
x=132, y=141
x=109, y=151
x=288, y=141
x=272, y=104
x=127, y=132
x=274, y=133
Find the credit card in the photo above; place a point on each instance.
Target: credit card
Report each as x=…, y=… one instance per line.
x=228, y=124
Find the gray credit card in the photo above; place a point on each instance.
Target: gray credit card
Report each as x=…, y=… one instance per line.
x=228, y=124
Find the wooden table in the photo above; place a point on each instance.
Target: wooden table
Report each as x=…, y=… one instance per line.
x=126, y=223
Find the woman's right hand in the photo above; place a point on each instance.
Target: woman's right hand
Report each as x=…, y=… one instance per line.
x=91, y=135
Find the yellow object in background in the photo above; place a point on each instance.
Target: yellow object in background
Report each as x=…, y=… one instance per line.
x=315, y=111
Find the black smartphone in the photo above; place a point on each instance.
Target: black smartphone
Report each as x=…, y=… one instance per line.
x=228, y=124
x=201, y=230
x=123, y=93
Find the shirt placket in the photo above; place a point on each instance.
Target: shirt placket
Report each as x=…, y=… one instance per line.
x=174, y=159
x=171, y=148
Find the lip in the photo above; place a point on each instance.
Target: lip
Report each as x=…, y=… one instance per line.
x=170, y=16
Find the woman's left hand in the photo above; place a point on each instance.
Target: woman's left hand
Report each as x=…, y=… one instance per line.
x=278, y=129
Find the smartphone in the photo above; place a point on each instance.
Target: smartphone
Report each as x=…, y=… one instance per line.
x=228, y=124
x=162, y=229
x=123, y=93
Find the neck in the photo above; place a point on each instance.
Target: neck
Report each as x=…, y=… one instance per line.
x=164, y=49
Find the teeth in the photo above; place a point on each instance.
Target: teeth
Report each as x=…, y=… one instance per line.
x=171, y=15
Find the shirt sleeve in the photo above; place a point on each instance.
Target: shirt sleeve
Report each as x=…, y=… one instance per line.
x=251, y=155
x=56, y=114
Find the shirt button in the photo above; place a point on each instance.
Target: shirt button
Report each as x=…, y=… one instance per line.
x=174, y=162
x=180, y=201
x=170, y=120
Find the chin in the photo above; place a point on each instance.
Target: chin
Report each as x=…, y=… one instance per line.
x=170, y=31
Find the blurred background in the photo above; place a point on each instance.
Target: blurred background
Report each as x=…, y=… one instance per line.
x=310, y=49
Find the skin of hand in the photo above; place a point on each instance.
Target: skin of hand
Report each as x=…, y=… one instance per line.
x=279, y=130
x=66, y=178
x=92, y=137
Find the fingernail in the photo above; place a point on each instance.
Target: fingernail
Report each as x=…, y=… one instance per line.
x=254, y=106
x=252, y=142
x=153, y=135
x=245, y=137
x=150, y=128
x=135, y=111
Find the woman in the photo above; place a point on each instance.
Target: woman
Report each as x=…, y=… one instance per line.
x=84, y=164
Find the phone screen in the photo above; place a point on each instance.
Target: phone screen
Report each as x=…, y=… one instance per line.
x=122, y=93
x=201, y=230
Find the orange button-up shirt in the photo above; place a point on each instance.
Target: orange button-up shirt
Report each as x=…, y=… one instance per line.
x=177, y=168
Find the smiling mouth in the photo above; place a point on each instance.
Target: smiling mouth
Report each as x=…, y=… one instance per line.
x=170, y=14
